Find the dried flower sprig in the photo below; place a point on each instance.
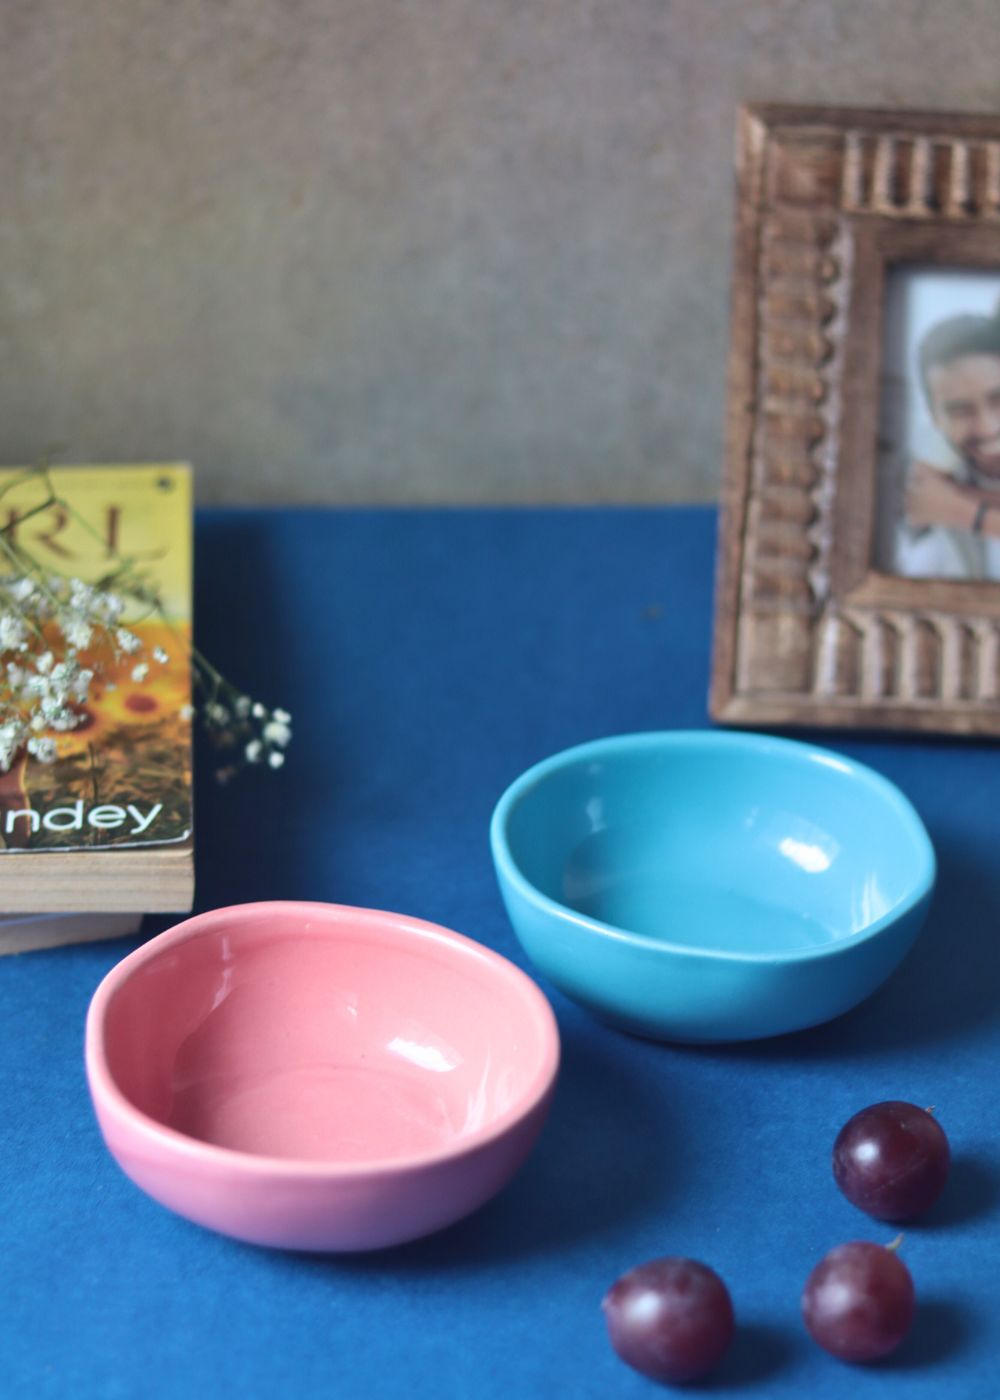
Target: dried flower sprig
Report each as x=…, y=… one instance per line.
x=57, y=633
x=248, y=730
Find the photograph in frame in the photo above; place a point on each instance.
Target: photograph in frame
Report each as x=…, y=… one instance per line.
x=939, y=425
x=858, y=565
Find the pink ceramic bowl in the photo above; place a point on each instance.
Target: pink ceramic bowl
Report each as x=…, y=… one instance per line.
x=317, y=1077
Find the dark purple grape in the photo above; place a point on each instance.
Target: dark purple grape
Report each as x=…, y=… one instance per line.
x=858, y=1302
x=891, y=1160
x=671, y=1319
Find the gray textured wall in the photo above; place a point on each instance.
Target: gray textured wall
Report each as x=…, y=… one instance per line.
x=414, y=250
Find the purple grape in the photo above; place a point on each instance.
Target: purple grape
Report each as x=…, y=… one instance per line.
x=858, y=1302
x=671, y=1319
x=891, y=1160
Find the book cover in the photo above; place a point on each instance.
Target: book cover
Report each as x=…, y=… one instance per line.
x=121, y=777
x=119, y=783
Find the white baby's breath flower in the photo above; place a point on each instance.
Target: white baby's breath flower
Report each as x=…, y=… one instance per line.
x=258, y=711
x=63, y=719
x=128, y=641
x=43, y=749
x=282, y=716
x=217, y=714
x=44, y=663
x=13, y=632
x=82, y=596
x=186, y=711
x=108, y=607
x=253, y=751
x=12, y=735
x=241, y=706
x=77, y=631
x=140, y=672
x=20, y=589
x=81, y=684
x=276, y=759
x=160, y=656
x=63, y=674
x=275, y=733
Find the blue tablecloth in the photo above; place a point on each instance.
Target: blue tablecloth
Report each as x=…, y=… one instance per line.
x=428, y=657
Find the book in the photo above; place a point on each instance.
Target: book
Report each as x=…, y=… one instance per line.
x=26, y=933
x=106, y=828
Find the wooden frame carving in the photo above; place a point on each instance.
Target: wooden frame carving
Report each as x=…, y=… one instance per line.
x=807, y=630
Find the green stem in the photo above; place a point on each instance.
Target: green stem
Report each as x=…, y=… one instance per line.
x=17, y=556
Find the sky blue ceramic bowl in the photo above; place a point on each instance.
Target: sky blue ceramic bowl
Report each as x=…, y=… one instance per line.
x=705, y=886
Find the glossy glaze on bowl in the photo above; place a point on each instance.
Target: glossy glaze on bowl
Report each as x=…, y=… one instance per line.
x=700, y=886
x=319, y=1077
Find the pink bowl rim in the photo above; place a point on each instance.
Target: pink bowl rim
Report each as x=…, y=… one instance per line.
x=110, y=1099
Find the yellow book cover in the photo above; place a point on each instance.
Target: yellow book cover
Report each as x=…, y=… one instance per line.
x=121, y=775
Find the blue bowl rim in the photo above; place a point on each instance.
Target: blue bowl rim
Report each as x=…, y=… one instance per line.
x=710, y=739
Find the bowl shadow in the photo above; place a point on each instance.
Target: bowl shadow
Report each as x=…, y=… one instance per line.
x=949, y=981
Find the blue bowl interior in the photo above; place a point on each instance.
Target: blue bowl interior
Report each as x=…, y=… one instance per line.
x=724, y=843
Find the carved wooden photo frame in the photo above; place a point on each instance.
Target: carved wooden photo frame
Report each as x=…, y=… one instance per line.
x=808, y=630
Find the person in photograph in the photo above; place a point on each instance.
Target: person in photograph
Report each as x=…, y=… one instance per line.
x=952, y=507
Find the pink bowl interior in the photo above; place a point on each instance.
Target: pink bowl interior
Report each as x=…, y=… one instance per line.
x=330, y=1035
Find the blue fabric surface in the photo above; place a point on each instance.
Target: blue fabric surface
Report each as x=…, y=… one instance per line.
x=427, y=658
